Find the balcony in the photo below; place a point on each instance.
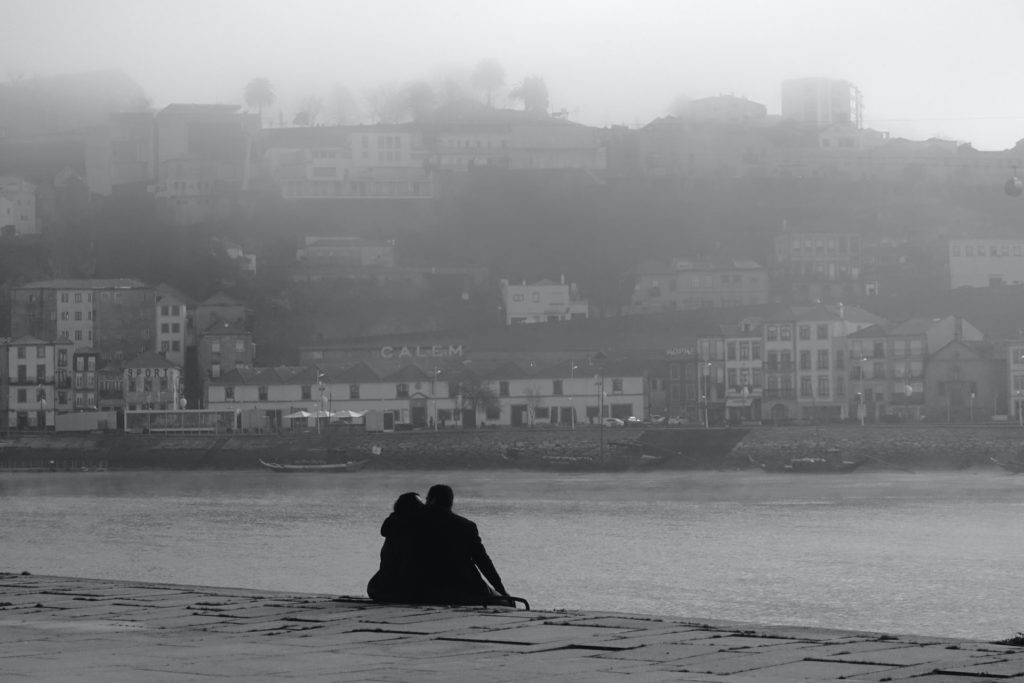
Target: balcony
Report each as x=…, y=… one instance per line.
x=787, y=366
x=788, y=394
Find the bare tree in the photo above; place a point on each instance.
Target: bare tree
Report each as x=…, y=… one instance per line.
x=478, y=396
x=488, y=76
x=344, y=106
x=533, y=93
x=420, y=99
x=534, y=399
x=387, y=104
x=309, y=110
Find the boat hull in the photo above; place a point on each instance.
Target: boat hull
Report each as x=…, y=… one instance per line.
x=287, y=468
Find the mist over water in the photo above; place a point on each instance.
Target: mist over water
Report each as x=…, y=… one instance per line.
x=931, y=554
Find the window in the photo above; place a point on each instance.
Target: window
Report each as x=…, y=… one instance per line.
x=62, y=358
x=822, y=331
x=744, y=350
x=263, y=392
x=40, y=352
x=878, y=370
x=805, y=360
x=730, y=351
x=557, y=387
x=78, y=335
x=823, y=355
x=785, y=333
x=805, y=385
x=755, y=350
x=147, y=384
x=214, y=369
x=240, y=346
x=175, y=345
x=165, y=311
x=175, y=310
x=215, y=347
x=805, y=332
x=731, y=372
x=163, y=384
x=78, y=297
x=40, y=373
x=353, y=391
x=165, y=346
x=503, y=388
x=772, y=333
x=755, y=377
x=518, y=297
x=402, y=390
x=22, y=395
x=617, y=386
x=307, y=392
x=229, y=393
x=823, y=386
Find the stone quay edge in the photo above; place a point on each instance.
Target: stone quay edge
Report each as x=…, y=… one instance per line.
x=58, y=629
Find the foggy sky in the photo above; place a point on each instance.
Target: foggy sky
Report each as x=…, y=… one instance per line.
x=946, y=68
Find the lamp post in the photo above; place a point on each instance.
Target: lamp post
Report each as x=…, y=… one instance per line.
x=599, y=382
x=1018, y=398
x=972, y=406
x=572, y=397
x=861, y=408
x=320, y=404
x=704, y=370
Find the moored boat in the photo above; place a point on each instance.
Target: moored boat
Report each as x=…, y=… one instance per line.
x=813, y=465
x=349, y=466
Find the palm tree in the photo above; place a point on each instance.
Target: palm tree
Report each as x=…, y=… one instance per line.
x=259, y=93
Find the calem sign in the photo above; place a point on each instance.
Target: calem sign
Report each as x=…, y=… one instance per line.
x=417, y=351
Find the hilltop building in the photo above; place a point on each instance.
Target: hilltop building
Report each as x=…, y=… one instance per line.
x=542, y=301
x=686, y=284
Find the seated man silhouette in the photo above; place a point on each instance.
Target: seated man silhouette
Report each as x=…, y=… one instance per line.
x=454, y=557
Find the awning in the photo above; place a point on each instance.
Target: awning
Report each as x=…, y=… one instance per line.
x=738, y=402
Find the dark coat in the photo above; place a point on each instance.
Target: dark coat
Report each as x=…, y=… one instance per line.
x=454, y=560
x=400, y=576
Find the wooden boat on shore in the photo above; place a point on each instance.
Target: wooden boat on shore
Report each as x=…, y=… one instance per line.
x=349, y=466
x=813, y=465
x=1011, y=466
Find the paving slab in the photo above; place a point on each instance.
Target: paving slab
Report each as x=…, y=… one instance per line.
x=70, y=629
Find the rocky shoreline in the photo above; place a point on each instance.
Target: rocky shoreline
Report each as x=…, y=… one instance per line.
x=587, y=448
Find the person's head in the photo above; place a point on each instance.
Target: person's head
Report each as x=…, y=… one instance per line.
x=408, y=502
x=441, y=496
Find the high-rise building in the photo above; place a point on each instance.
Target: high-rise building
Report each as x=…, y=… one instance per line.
x=822, y=102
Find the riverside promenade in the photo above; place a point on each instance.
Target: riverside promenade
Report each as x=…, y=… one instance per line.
x=71, y=629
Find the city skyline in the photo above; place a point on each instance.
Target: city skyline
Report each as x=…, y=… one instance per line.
x=935, y=69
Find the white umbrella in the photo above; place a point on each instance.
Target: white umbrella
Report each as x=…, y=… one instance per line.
x=350, y=414
x=298, y=414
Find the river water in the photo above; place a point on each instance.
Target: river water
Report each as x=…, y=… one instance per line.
x=930, y=554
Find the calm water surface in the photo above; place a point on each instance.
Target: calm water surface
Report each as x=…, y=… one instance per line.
x=935, y=554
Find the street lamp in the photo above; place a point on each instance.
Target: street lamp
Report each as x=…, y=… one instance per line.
x=1018, y=400
x=972, y=406
x=861, y=408
x=705, y=371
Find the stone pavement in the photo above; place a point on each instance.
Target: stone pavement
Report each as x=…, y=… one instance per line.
x=70, y=629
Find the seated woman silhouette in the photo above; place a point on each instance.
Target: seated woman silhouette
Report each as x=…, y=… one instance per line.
x=400, y=578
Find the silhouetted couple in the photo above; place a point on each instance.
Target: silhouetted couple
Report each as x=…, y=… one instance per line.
x=432, y=555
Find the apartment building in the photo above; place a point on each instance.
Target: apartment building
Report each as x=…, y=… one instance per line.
x=17, y=207
x=116, y=317
x=985, y=262
x=379, y=161
x=38, y=381
x=821, y=102
x=173, y=329
x=542, y=301
x=686, y=284
x=204, y=160
x=151, y=382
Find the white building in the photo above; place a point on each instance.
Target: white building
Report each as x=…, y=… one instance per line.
x=171, y=324
x=985, y=262
x=542, y=301
x=424, y=394
x=17, y=206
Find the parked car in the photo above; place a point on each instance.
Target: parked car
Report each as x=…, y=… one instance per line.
x=634, y=421
x=655, y=419
x=613, y=422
